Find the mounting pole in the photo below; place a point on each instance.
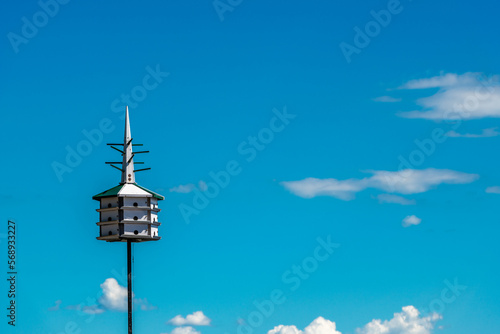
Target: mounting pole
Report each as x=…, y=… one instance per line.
x=112, y=203
x=129, y=274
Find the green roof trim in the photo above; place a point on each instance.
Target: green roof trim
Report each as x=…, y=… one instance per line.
x=115, y=190
x=109, y=193
x=158, y=196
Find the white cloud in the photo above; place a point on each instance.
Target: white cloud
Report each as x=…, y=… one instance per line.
x=386, y=98
x=187, y=188
x=411, y=220
x=184, y=330
x=202, y=185
x=195, y=319
x=144, y=304
x=312, y=187
x=408, y=181
x=446, y=80
x=490, y=132
x=114, y=296
x=466, y=96
x=414, y=181
x=281, y=329
x=93, y=309
x=89, y=309
x=493, y=190
x=183, y=188
x=408, y=321
x=388, y=198
x=318, y=326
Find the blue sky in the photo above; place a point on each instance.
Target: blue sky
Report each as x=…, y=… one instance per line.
x=386, y=150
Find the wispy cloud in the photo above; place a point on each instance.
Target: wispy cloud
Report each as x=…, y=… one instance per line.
x=183, y=188
x=187, y=188
x=408, y=181
x=411, y=220
x=490, y=132
x=312, y=187
x=144, y=304
x=414, y=181
x=93, y=309
x=465, y=96
x=89, y=309
x=386, y=98
x=493, y=190
x=195, y=319
x=57, y=306
x=440, y=81
x=388, y=198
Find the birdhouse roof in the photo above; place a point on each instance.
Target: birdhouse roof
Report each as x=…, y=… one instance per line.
x=127, y=189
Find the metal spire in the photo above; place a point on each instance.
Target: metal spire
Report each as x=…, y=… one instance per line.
x=128, y=175
x=128, y=172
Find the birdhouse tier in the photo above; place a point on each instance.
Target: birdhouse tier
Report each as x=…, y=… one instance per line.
x=128, y=212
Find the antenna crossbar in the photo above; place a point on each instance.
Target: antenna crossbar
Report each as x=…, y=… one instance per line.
x=117, y=168
x=115, y=144
x=140, y=170
x=118, y=149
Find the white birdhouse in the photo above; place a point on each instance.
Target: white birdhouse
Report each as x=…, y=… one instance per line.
x=128, y=211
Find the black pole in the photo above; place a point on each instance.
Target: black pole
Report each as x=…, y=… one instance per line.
x=129, y=271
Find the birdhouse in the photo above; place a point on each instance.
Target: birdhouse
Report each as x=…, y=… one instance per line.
x=128, y=212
